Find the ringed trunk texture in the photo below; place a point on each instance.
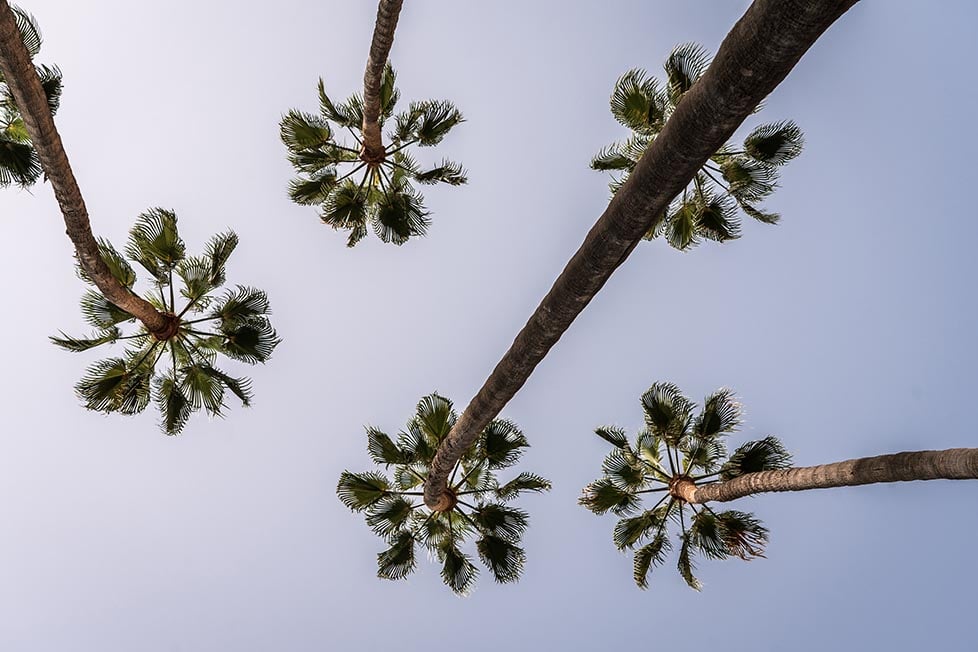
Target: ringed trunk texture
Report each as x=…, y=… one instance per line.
x=753, y=59
x=26, y=88
x=951, y=464
x=388, y=12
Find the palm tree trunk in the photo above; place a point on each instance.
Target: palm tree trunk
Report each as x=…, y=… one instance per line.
x=951, y=464
x=388, y=12
x=756, y=55
x=21, y=78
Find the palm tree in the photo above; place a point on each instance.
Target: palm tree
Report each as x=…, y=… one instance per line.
x=388, y=11
x=478, y=509
x=683, y=459
x=28, y=92
x=756, y=55
x=731, y=178
x=357, y=186
x=178, y=370
x=18, y=161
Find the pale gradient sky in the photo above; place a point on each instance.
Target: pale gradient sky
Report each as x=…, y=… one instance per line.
x=847, y=330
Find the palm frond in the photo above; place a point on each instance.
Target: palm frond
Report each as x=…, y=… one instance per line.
x=240, y=387
x=757, y=214
x=523, y=482
x=218, y=250
x=667, y=411
x=50, y=77
x=685, y=65
x=501, y=521
x=721, y=415
x=436, y=119
x=113, y=386
x=79, y=344
x=335, y=113
x=613, y=435
x=445, y=172
x=702, y=454
x=775, y=144
x=603, y=495
x=18, y=163
x=612, y=158
x=202, y=390
x=300, y=131
x=358, y=491
x=173, y=405
x=400, y=216
x=250, y=342
x=397, y=562
x=435, y=416
x=504, y=560
x=346, y=208
x=416, y=444
x=309, y=192
x=388, y=91
x=457, y=571
x=155, y=244
x=241, y=305
x=717, y=219
x=118, y=266
x=649, y=555
x=649, y=448
x=682, y=226
x=624, y=469
x=29, y=30
x=389, y=515
x=749, y=181
x=743, y=534
x=502, y=443
x=706, y=534
x=630, y=531
x=766, y=454
x=637, y=102
x=383, y=450
x=686, y=565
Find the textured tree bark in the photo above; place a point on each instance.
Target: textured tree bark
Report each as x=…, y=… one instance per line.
x=951, y=464
x=753, y=59
x=26, y=88
x=388, y=12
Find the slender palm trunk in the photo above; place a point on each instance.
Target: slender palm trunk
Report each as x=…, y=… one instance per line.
x=21, y=78
x=388, y=12
x=756, y=55
x=951, y=464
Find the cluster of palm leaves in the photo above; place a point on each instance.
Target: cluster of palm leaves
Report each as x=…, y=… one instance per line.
x=355, y=191
x=734, y=177
x=677, y=447
x=19, y=163
x=177, y=372
x=395, y=511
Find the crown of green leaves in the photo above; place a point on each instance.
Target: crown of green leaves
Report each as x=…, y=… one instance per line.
x=395, y=511
x=673, y=446
x=178, y=373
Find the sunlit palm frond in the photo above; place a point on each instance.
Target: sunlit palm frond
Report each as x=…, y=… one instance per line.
x=301, y=131
x=389, y=515
x=240, y=306
x=388, y=92
x=79, y=344
x=436, y=119
x=113, y=385
x=358, y=491
x=685, y=65
x=613, y=435
x=625, y=470
x=383, y=450
x=523, y=482
x=435, y=416
x=445, y=172
x=637, y=102
x=240, y=387
x=667, y=411
x=155, y=243
x=604, y=495
x=251, y=342
x=631, y=531
x=502, y=444
x=721, y=415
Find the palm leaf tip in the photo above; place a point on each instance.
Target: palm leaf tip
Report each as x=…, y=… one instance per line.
x=504, y=560
x=458, y=572
x=767, y=454
x=398, y=561
x=775, y=144
x=648, y=556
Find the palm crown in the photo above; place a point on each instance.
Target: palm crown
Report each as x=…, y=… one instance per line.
x=177, y=368
x=355, y=189
x=19, y=163
x=733, y=177
x=479, y=508
x=674, y=449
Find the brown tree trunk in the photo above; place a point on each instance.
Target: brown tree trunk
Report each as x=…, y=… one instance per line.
x=951, y=464
x=388, y=12
x=21, y=78
x=756, y=55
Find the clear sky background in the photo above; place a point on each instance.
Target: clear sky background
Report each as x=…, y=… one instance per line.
x=848, y=330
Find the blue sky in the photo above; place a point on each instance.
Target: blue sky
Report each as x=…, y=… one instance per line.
x=847, y=330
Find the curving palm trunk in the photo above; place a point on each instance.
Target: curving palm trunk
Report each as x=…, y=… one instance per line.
x=951, y=464
x=756, y=56
x=21, y=78
x=388, y=12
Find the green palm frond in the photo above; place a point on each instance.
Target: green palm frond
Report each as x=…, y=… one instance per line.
x=457, y=571
x=335, y=113
x=604, y=495
x=177, y=371
x=29, y=30
x=694, y=454
x=389, y=515
x=479, y=510
x=775, y=144
x=155, y=243
x=686, y=565
x=313, y=191
x=358, y=491
x=637, y=102
x=400, y=216
x=766, y=454
x=681, y=226
x=397, y=562
x=300, y=130
x=445, y=172
x=648, y=556
x=523, y=482
x=19, y=164
x=685, y=65
x=51, y=83
x=612, y=158
x=667, y=411
x=383, y=450
x=749, y=181
x=436, y=119
x=388, y=92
